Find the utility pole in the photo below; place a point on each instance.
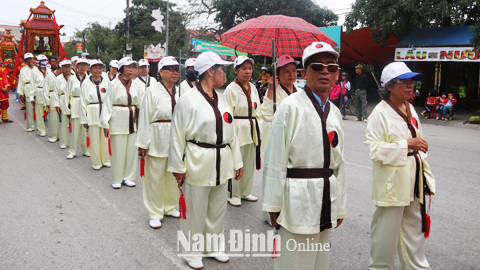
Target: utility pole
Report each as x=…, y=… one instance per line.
x=166, y=43
x=127, y=34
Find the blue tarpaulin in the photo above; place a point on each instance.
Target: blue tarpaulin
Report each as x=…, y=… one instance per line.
x=441, y=36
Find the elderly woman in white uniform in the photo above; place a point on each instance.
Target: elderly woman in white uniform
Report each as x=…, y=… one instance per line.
x=401, y=175
x=204, y=153
x=160, y=192
x=191, y=76
x=59, y=101
x=94, y=90
x=73, y=109
x=118, y=120
x=243, y=98
x=36, y=92
x=287, y=74
x=53, y=116
x=112, y=70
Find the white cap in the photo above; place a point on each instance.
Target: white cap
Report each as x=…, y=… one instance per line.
x=42, y=57
x=114, y=63
x=167, y=61
x=75, y=58
x=316, y=48
x=190, y=62
x=126, y=61
x=400, y=71
x=82, y=60
x=95, y=62
x=241, y=59
x=207, y=60
x=28, y=55
x=65, y=62
x=143, y=62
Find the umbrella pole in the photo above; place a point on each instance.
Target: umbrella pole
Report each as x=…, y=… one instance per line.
x=274, y=77
x=180, y=74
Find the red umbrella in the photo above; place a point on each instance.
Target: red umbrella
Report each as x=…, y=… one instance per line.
x=292, y=35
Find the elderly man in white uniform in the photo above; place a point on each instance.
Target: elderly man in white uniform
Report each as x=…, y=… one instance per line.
x=204, y=153
x=36, y=92
x=401, y=174
x=304, y=172
x=24, y=79
x=73, y=109
x=160, y=192
x=143, y=80
x=59, y=101
x=191, y=76
x=48, y=92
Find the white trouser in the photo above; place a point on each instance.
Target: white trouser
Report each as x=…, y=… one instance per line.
x=206, y=208
x=124, y=157
x=304, y=251
x=160, y=190
x=78, y=132
x=98, y=146
x=29, y=111
x=243, y=187
x=39, y=119
x=53, y=124
x=63, y=130
x=398, y=228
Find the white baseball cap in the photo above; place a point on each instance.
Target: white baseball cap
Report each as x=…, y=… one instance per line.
x=126, y=61
x=241, y=59
x=65, y=62
x=143, y=62
x=167, y=61
x=82, y=60
x=316, y=48
x=28, y=55
x=114, y=63
x=190, y=62
x=207, y=60
x=75, y=58
x=42, y=57
x=399, y=70
x=95, y=62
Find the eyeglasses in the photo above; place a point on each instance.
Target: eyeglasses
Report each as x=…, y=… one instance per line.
x=332, y=68
x=407, y=82
x=171, y=69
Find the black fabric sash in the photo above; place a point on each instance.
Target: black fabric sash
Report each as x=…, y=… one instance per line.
x=325, y=214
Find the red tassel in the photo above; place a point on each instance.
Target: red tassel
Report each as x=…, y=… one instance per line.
x=109, y=147
x=182, y=206
x=142, y=167
x=45, y=115
x=34, y=116
x=69, y=128
x=88, y=139
x=25, y=115
x=429, y=221
x=275, y=254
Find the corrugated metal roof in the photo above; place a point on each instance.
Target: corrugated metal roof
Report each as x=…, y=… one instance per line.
x=441, y=36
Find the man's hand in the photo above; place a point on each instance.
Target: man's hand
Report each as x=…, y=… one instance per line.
x=142, y=152
x=180, y=177
x=339, y=221
x=239, y=174
x=33, y=103
x=22, y=98
x=418, y=144
x=273, y=218
x=85, y=126
x=106, y=132
x=57, y=109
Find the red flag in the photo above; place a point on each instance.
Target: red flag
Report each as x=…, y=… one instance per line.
x=142, y=167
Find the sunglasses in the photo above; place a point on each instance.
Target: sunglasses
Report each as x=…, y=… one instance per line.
x=332, y=68
x=171, y=69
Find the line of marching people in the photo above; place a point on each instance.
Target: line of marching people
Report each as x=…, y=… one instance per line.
x=199, y=148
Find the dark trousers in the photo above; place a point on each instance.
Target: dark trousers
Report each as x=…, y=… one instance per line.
x=361, y=104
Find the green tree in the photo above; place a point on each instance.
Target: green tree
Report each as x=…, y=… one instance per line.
x=400, y=17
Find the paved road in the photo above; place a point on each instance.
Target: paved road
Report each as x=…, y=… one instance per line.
x=61, y=214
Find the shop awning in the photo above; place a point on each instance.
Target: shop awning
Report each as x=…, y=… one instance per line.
x=360, y=47
x=441, y=36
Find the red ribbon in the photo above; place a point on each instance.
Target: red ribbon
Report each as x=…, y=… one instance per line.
x=109, y=147
x=429, y=220
x=45, y=115
x=25, y=115
x=69, y=127
x=182, y=205
x=88, y=139
x=34, y=116
x=142, y=167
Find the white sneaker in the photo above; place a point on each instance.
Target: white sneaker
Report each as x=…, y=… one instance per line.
x=128, y=183
x=43, y=134
x=63, y=147
x=365, y=120
x=223, y=258
x=175, y=214
x=70, y=156
x=51, y=140
x=97, y=167
x=235, y=202
x=116, y=186
x=86, y=154
x=251, y=198
x=108, y=165
x=29, y=129
x=155, y=223
x=196, y=264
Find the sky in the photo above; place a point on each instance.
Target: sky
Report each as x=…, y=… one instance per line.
x=77, y=13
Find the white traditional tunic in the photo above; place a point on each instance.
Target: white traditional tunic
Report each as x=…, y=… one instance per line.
x=160, y=191
x=203, y=145
x=304, y=177
x=73, y=106
x=186, y=86
x=92, y=97
x=119, y=112
x=36, y=94
x=24, y=88
x=58, y=98
x=53, y=117
x=396, y=183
